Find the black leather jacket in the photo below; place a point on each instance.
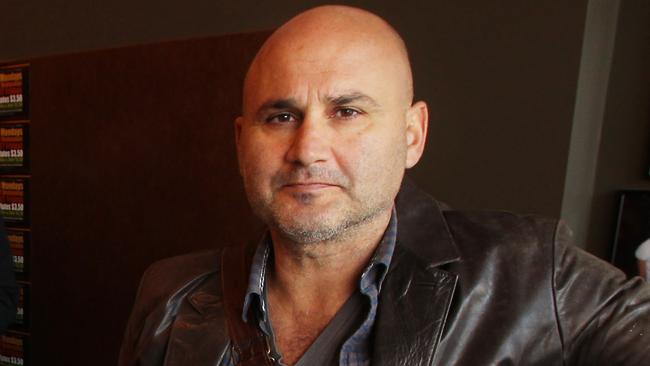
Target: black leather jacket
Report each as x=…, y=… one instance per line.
x=464, y=288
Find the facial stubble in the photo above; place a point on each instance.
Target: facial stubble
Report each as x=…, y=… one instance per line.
x=339, y=219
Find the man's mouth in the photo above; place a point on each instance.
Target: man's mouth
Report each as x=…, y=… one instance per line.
x=309, y=186
x=309, y=180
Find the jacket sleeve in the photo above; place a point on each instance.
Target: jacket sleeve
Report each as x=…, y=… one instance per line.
x=144, y=342
x=164, y=285
x=8, y=287
x=603, y=317
x=134, y=327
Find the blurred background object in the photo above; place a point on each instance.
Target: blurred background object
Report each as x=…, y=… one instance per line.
x=643, y=255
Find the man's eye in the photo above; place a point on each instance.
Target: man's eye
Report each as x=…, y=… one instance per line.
x=346, y=113
x=281, y=118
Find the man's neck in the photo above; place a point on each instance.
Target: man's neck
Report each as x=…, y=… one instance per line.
x=308, y=284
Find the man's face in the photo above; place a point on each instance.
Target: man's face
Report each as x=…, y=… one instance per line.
x=322, y=142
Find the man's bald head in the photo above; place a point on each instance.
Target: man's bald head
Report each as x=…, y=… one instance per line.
x=328, y=126
x=335, y=30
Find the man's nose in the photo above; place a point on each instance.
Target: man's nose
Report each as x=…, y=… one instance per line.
x=310, y=143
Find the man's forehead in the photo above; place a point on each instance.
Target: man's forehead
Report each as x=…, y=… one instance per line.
x=329, y=55
x=300, y=90
x=312, y=78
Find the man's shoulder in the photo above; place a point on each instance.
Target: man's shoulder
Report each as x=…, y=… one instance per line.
x=425, y=223
x=165, y=286
x=499, y=223
x=186, y=265
x=415, y=205
x=482, y=231
x=167, y=276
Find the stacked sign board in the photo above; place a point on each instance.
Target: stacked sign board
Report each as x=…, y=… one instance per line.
x=14, y=200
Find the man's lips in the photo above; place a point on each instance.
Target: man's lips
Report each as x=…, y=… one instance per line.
x=309, y=186
x=313, y=178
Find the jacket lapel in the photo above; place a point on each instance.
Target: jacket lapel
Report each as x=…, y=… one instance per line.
x=412, y=311
x=198, y=335
x=417, y=293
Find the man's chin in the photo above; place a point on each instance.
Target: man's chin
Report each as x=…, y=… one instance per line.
x=308, y=225
x=309, y=235
x=314, y=222
x=318, y=227
x=308, y=210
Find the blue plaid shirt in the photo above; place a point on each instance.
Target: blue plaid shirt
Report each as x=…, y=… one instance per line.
x=356, y=349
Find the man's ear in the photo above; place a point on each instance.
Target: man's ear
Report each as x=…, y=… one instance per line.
x=417, y=123
x=238, y=125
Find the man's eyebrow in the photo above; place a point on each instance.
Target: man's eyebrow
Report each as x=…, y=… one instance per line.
x=277, y=104
x=352, y=97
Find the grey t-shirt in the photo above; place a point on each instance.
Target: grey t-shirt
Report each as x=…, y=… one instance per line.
x=326, y=348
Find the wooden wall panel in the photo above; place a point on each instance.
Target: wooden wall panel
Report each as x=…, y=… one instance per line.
x=133, y=160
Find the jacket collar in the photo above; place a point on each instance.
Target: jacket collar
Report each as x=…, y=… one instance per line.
x=417, y=294
x=199, y=329
x=422, y=228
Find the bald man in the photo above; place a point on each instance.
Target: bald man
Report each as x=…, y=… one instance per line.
x=357, y=267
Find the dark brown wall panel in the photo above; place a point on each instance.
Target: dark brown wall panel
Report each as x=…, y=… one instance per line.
x=500, y=77
x=133, y=160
